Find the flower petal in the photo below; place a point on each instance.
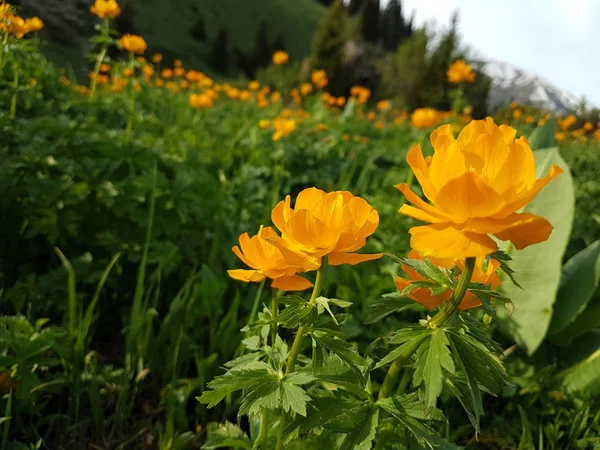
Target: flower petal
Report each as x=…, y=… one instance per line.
x=420, y=203
x=249, y=276
x=538, y=185
x=339, y=258
x=417, y=163
x=445, y=241
x=291, y=283
x=418, y=214
x=522, y=233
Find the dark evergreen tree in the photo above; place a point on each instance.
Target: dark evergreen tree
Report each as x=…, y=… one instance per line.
x=328, y=46
x=370, y=21
x=198, y=31
x=279, y=43
x=219, y=56
x=394, y=26
x=325, y=2
x=262, y=49
x=355, y=6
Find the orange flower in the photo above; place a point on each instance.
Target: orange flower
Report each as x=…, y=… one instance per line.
x=104, y=68
x=280, y=57
x=283, y=127
x=17, y=26
x=200, y=101
x=166, y=73
x=106, y=9
x=34, y=24
x=424, y=297
x=306, y=88
x=253, y=85
x=267, y=261
x=425, y=118
x=264, y=123
x=383, y=105
x=588, y=126
x=460, y=72
x=597, y=134
x=319, y=78
x=567, y=122
x=475, y=183
x=334, y=224
x=133, y=43
x=157, y=58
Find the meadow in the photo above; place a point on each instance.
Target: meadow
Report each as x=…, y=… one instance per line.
x=122, y=197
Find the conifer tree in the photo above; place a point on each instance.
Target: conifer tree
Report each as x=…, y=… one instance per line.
x=370, y=21
x=328, y=46
x=219, y=53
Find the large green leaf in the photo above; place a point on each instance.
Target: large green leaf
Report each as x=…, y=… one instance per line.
x=584, y=376
x=543, y=137
x=538, y=267
x=580, y=278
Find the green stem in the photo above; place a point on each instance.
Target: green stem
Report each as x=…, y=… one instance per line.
x=274, y=313
x=264, y=427
x=257, y=297
x=295, y=351
x=452, y=305
x=440, y=319
x=101, y=56
x=13, y=100
x=133, y=95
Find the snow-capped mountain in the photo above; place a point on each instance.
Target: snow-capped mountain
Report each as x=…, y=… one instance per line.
x=511, y=83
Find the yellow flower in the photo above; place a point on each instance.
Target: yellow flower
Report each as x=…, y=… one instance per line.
x=383, y=105
x=184, y=84
x=128, y=72
x=159, y=82
x=262, y=101
x=106, y=9
x=567, y=122
x=517, y=113
x=475, y=183
x=340, y=101
x=104, y=68
x=360, y=93
x=588, y=126
x=253, y=85
x=17, y=26
x=148, y=71
x=34, y=24
x=280, y=57
x=597, y=134
x=267, y=261
x=264, y=123
x=233, y=93
x=529, y=119
x=425, y=118
x=179, y=71
x=283, y=127
x=513, y=105
x=200, y=101
x=319, y=78
x=424, y=297
x=166, y=73
x=177, y=63
x=275, y=97
x=306, y=88
x=157, y=58
x=560, y=136
x=379, y=125
x=460, y=72
x=133, y=43
x=245, y=96
x=334, y=224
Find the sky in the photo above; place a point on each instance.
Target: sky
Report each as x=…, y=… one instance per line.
x=556, y=39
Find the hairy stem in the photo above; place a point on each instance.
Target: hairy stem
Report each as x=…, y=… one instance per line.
x=101, y=56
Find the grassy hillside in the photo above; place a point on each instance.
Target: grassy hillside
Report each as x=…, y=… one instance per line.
x=167, y=26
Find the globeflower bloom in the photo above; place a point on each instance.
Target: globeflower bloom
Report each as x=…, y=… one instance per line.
x=425, y=118
x=106, y=9
x=133, y=43
x=475, y=183
x=280, y=57
x=319, y=78
x=200, y=101
x=267, y=261
x=460, y=72
x=283, y=127
x=423, y=295
x=567, y=122
x=334, y=224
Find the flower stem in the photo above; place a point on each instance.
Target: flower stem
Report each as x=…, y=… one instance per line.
x=264, y=427
x=133, y=95
x=101, y=56
x=13, y=100
x=440, y=319
x=291, y=361
x=452, y=305
x=274, y=313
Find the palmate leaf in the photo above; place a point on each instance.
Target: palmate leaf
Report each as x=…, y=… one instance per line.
x=344, y=350
x=362, y=435
x=293, y=398
x=264, y=393
x=388, y=304
x=433, y=358
x=426, y=269
x=226, y=435
x=409, y=340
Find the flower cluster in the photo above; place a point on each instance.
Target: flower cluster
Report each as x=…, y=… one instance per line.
x=133, y=43
x=16, y=25
x=460, y=72
x=334, y=225
x=106, y=9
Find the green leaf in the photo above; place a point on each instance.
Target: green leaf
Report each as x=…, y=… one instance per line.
x=340, y=303
x=264, y=393
x=579, y=280
x=293, y=398
x=226, y=435
x=584, y=376
x=526, y=441
x=433, y=358
x=295, y=315
x=584, y=323
x=410, y=339
x=339, y=347
x=461, y=389
x=429, y=271
x=543, y=137
x=538, y=266
x=388, y=304
x=324, y=303
x=411, y=406
x=361, y=437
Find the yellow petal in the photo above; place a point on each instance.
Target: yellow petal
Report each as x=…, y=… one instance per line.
x=538, y=185
x=339, y=258
x=419, y=166
x=445, y=241
x=420, y=203
x=418, y=214
x=523, y=233
x=291, y=283
x=246, y=275
x=307, y=198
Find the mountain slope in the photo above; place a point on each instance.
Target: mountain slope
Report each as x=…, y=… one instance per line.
x=511, y=83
